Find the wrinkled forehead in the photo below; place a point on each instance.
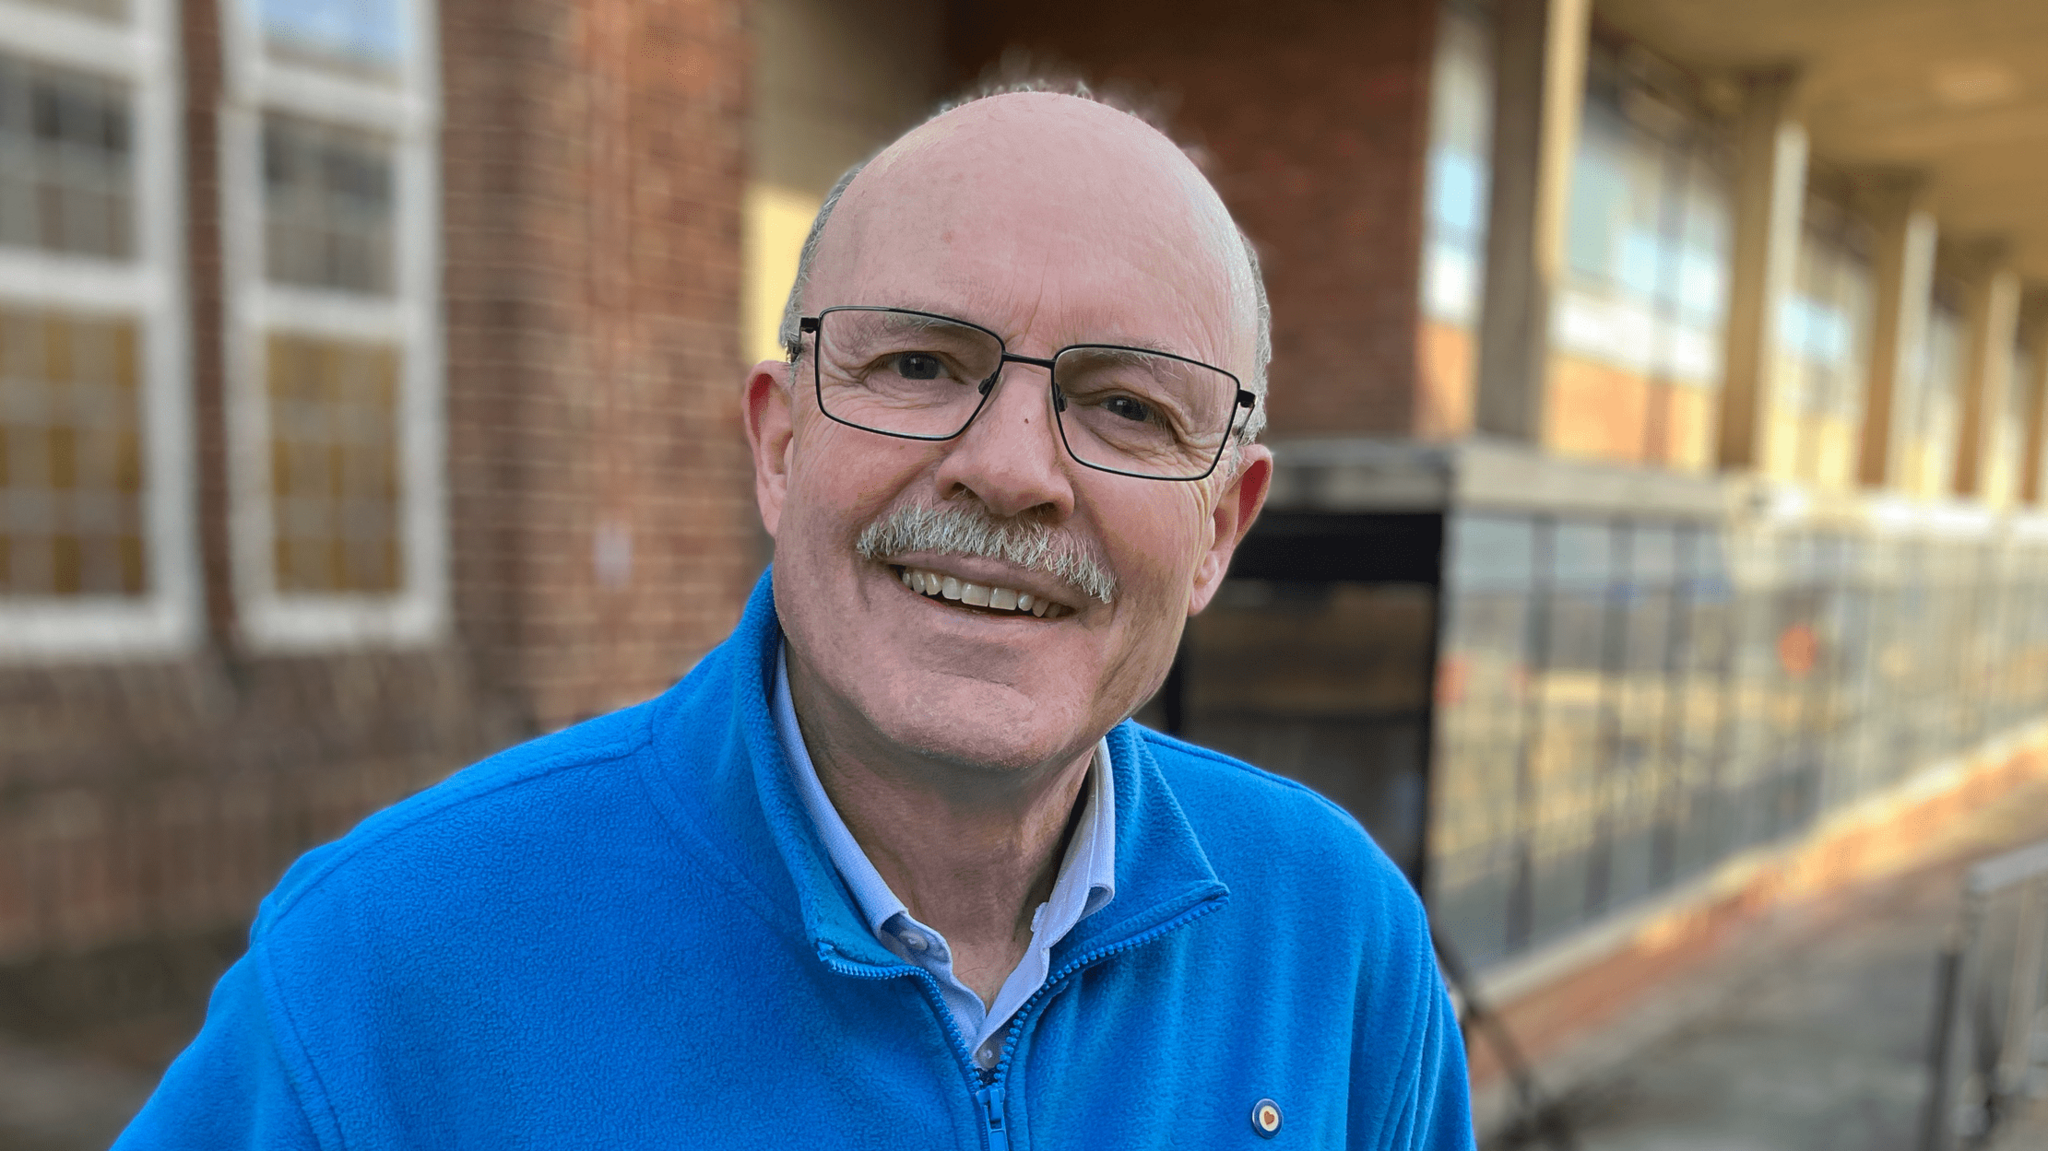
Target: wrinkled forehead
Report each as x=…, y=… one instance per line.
x=1049, y=216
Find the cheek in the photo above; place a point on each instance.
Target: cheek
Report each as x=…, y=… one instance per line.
x=842, y=479
x=1158, y=545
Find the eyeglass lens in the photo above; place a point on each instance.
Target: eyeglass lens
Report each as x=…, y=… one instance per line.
x=1122, y=409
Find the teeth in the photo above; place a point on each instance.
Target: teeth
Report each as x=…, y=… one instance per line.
x=981, y=595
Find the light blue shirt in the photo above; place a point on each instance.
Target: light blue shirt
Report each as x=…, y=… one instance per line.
x=1087, y=882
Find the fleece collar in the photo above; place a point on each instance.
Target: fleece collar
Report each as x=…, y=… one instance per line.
x=1161, y=872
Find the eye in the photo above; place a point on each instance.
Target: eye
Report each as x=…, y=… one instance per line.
x=1130, y=408
x=918, y=366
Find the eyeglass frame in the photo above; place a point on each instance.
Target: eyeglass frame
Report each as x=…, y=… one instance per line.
x=1245, y=400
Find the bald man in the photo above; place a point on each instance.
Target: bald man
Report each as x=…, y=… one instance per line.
x=892, y=866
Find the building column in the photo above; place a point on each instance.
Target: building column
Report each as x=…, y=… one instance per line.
x=1902, y=267
x=1770, y=195
x=1991, y=324
x=1540, y=80
x=2036, y=383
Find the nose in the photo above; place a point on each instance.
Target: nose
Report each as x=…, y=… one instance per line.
x=1010, y=457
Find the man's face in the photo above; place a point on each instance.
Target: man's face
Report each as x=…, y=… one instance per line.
x=1050, y=221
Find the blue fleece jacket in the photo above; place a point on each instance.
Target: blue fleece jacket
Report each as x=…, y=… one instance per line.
x=628, y=935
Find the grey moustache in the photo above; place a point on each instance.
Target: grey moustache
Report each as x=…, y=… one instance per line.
x=963, y=531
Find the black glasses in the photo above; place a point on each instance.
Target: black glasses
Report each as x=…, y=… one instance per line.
x=921, y=376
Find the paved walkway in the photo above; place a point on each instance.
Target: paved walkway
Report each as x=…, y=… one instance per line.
x=1815, y=1038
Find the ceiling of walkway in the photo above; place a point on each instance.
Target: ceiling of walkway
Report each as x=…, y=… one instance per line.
x=1957, y=89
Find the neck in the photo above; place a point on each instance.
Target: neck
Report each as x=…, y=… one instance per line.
x=970, y=851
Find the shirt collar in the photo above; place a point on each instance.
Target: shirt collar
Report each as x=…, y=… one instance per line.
x=1087, y=875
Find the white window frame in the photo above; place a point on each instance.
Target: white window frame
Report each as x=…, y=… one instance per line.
x=405, y=110
x=150, y=287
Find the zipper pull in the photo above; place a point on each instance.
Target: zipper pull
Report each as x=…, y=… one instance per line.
x=991, y=1100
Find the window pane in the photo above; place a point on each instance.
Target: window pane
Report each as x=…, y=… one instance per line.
x=1930, y=448
x=334, y=471
x=1822, y=344
x=1460, y=129
x=327, y=206
x=353, y=35
x=70, y=456
x=1482, y=674
x=64, y=161
x=1636, y=330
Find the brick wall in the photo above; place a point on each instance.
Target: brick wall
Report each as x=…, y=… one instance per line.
x=592, y=180
x=1315, y=117
x=146, y=806
x=594, y=164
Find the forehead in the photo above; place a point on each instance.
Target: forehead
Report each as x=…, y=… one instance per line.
x=1051, y=220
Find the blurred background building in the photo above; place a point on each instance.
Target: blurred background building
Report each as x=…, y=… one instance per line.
x=1657, y=388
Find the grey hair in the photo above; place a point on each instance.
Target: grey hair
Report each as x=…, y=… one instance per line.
x=970, y=530
x=1262, y=349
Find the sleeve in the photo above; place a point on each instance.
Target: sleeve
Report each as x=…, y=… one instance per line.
x=1443, y=1096
x=1422, y=1100
x=232, y=1088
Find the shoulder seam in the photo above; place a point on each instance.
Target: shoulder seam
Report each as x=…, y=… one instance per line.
x=301, y=1062
x=1199, y=752
x=579, y=757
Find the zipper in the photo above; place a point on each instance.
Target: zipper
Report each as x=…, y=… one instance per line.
x=987, y=1086
x=990, y=1099
x=977, y=1081
x=1052, y=983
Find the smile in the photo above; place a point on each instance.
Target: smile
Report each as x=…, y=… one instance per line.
x=1002, y=600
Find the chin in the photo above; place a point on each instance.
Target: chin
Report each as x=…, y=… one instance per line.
x=983, y=725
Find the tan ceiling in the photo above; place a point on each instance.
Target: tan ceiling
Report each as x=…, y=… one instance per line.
x=1957, y=89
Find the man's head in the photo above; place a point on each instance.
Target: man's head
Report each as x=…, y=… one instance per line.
x=1049, y=221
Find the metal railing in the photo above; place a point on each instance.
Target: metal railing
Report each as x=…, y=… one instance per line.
x=1539, y=1117
x=1989, y=1054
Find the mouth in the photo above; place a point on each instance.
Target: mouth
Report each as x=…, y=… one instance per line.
x=959, y=593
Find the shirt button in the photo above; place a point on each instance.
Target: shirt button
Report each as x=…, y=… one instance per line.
x=985, y=1058
x=914, y=941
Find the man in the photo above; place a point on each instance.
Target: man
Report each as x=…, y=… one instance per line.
x=890, y=867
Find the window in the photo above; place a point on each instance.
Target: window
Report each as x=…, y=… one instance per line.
x=333, y=283
x=72, y=456
x=334, y=465
x=1823, y=349
x=364, y=37
x=1636, y=334
x=1460, y=144
x=326, y=206
x=1930, y=456
x=65, y=176
x=1454, y=224
x=2024, y=400
x=2007, y=441
x=96, y=533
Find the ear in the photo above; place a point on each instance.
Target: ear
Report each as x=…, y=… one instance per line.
x=770, y=436
x=1236, y=507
